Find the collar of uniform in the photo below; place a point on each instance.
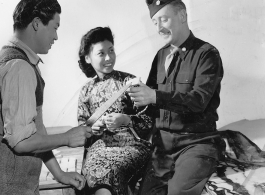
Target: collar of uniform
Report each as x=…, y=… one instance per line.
x=186, y=46
x=33, y=57
x=113, y=74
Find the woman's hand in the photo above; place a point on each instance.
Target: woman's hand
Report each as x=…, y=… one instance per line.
x=98, y=127
x=115, y=120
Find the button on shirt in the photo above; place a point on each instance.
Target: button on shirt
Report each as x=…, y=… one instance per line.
x=188, y=97
x=21, y=116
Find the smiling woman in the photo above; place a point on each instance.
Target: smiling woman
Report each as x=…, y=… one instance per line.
x=113, y=155
x=101, y=54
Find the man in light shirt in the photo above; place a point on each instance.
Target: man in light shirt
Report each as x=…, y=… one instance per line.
x=24, y=142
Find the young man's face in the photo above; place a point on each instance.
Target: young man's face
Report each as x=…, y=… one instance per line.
x=169, y=24
x=46, y=35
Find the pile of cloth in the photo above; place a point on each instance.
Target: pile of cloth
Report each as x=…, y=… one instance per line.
x=243, y=169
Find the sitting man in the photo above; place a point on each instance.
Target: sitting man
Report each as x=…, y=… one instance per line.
x=184, y=87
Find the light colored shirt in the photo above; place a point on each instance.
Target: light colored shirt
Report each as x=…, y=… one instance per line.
x=18, y=85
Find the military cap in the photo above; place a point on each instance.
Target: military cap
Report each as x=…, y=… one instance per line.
x=155, y=5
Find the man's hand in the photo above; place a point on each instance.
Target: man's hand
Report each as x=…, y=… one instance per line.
x=72, y=178
x=77, y=136
x=142, y=95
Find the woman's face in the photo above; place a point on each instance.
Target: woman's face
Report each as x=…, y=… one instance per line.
x=102, y=57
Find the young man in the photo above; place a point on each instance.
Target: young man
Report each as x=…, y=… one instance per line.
x=24, y=142
x=184, y=86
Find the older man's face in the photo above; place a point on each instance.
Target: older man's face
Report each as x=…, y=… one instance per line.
x=169, y=24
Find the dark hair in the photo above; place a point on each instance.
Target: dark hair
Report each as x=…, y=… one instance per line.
x=27, y=10
x=93, y=36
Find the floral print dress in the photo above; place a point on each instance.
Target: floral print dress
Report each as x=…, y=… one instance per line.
x=113, y=157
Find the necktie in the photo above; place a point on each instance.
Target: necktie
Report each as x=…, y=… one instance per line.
x=170, y=57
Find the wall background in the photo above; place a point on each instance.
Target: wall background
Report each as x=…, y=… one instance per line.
x=235, y=27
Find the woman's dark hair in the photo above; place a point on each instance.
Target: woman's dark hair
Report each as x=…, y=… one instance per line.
x=27, y=10
x=93, y=36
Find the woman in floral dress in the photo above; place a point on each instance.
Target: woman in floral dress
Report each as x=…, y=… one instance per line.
x=115, y=155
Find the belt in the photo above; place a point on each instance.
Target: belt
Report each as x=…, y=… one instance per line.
x=187, y=133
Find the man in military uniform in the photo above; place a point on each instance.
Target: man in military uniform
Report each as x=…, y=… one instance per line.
x=184, y=87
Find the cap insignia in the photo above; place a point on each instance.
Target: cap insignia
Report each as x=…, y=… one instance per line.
x=158, y=2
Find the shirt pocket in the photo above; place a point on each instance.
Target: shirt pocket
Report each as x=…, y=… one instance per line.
x=184, y=83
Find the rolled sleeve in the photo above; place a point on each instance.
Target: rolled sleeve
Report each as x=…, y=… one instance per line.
x=19, y=102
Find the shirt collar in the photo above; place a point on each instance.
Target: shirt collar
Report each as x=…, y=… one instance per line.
x=33, y=57
x=113, y=74
x=185, y=46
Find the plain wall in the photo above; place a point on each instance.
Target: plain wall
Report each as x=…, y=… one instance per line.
x=235, y=27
